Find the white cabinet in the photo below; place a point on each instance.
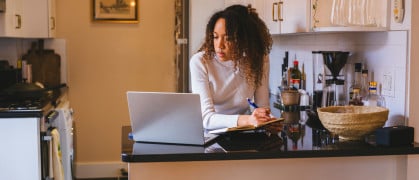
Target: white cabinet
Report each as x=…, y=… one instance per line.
x=256, y=4
x=21, y=148
x=355, y=15
x=281, y=16
x=287, y=16
x=242, y=2
x=11, y=19
x=296, y=16
x=52, y=18
x=28, y=19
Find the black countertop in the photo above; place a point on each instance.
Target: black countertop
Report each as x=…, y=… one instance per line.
x=298, y=140
x=302, y=137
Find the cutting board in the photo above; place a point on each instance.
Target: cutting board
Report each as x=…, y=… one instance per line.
x=46, y=64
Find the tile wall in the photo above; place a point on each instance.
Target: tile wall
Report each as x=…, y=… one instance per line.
x=385, y=54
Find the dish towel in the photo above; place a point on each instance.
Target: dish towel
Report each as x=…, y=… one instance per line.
x=56, y=156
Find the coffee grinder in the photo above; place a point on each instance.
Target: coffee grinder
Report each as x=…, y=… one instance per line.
x=329, y=87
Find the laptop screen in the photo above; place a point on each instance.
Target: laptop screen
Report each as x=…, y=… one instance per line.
x=165, y=117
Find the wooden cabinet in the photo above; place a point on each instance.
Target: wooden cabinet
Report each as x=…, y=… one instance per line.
x=28, y=19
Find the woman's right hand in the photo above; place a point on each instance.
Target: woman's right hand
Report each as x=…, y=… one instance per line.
x=258, y=116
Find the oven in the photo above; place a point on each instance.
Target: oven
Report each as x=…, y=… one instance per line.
x=36, y=137
x=27, y=142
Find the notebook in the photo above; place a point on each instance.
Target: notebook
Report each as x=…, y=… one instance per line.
x=165, y=117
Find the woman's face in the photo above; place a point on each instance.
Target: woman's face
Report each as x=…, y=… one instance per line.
x=221, y=41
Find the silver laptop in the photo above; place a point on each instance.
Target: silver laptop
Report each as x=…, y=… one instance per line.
x=164, y=117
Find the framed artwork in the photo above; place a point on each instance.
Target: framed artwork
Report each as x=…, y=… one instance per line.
x=117, y=11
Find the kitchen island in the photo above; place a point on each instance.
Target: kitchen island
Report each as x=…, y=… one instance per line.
x=299, y=152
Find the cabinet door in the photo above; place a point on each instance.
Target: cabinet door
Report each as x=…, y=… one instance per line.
x=287, y=16
x=52, y=18
x=272, y=17
x=11, y=19
x=371, y=16
x=35, y=18
x=259, y=5
x=232, y=2
x=295, y=15
x=28, y=19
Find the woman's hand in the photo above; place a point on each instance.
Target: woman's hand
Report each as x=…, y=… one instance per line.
x=258, y=116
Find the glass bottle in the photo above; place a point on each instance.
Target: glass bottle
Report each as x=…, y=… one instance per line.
x=364, y=84
x=295, y=76
x=303, y=79
x=284, y=80
x=354, y=94
x=373, y=98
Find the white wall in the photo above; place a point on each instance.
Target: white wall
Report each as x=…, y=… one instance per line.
x=104, y=61
x=383, y=53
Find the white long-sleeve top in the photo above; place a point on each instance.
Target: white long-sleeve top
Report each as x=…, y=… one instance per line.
x=224, y=91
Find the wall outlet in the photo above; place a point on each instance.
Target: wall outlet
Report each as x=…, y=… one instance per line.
x=388, y=84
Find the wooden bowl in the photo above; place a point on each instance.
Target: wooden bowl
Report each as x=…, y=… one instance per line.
x=352, y=122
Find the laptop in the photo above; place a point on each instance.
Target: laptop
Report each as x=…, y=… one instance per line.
x=165, y=117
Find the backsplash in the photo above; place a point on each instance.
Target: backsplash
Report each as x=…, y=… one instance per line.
x=384, y=53
x=12, y=48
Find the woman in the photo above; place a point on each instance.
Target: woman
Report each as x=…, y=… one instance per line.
x=232, y=66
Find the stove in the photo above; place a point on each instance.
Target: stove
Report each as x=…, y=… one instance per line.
x=11, y=106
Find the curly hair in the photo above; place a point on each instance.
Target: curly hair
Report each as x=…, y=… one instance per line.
x=249, y=38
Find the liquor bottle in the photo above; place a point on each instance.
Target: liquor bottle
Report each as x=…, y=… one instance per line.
x=364, y=84
x=284, y=79
x=373, y=98
x=355, y=88
x=295, y=76
x=303, y=79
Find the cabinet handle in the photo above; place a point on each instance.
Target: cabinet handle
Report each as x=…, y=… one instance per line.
x=281, y=4
x=52, y=23
x=273, y=12
x=19, y=21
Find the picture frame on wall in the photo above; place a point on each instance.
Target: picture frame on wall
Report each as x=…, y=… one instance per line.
x=115, y=11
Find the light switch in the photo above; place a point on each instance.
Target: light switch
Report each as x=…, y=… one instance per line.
x=388, y=84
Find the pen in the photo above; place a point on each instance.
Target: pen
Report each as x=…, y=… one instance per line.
x=251, y=103
x=254, y=105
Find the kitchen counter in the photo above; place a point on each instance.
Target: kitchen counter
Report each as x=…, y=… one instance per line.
x=300, y=152
x=297, y=141
x=303, y=150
